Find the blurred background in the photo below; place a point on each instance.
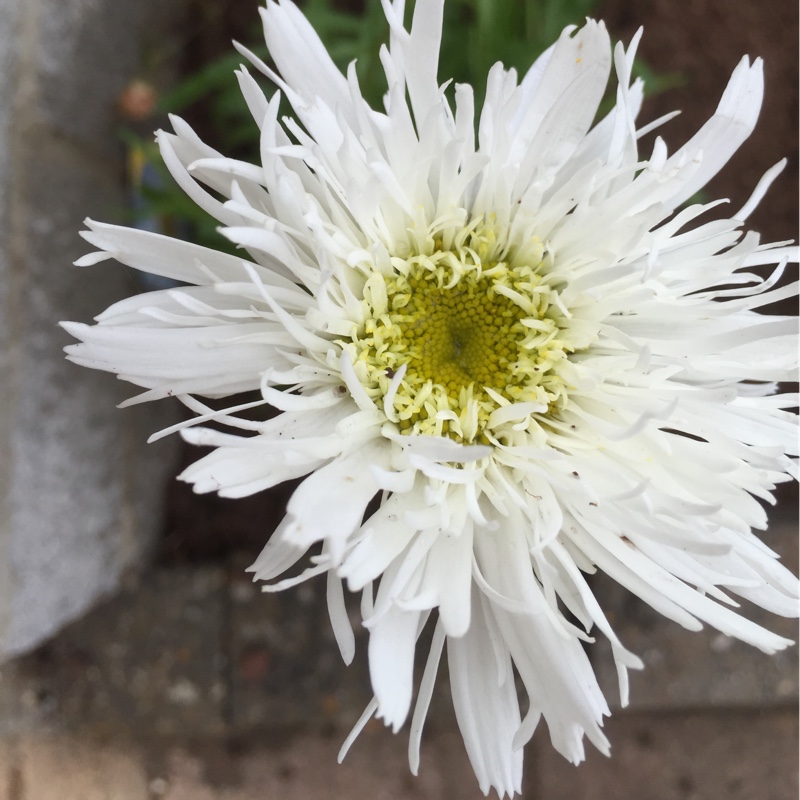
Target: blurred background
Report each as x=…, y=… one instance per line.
x=139, y=661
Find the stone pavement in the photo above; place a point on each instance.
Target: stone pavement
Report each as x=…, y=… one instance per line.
x=193, y=685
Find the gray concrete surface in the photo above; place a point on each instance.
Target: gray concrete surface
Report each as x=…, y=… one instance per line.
x=80, y=492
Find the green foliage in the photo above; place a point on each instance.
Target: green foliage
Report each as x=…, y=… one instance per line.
x=476, y=34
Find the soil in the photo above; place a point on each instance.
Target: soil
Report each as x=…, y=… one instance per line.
x=703, y=40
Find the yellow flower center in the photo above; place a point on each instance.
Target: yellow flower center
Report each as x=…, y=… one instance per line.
x=464, y=335
x=472, y=331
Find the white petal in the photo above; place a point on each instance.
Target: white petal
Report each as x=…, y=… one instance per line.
x=386, y=535
x=277, y=556
x=552, y=664
x=288, y=34
x=171, y=258
x=330, y=504
x=340, y=622
x=242, y=471
x=722, y=135
x=566, y=98
x=486, y=705
x=421, y=58
x=392, y=642
x=216, y=360
x=424, y=696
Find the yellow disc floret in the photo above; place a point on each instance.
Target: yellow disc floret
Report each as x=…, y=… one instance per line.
x=451, y=335
x=460, y=336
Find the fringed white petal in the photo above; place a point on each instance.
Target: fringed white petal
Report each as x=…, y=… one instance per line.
x=392, y=642
x=647, y=434
x=486, y=705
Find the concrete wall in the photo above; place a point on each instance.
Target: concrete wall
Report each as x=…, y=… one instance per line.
x=80, y=491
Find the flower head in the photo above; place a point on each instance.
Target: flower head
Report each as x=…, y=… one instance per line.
x=518, y=341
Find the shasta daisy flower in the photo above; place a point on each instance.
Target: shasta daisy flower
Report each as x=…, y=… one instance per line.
x=518, y=341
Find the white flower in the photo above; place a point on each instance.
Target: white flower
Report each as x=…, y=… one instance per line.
x=517, y=340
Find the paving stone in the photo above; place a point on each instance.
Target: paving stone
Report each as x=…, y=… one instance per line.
x=9, y=772
x=149, y=662
x=304, y=766
x=286, y=669
x=746, y=755
x=63, y=768
x=376, y=767
x=684, y=669
x=60, y=767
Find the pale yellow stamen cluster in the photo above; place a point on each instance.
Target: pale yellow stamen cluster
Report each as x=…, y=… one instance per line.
x=474, y=333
